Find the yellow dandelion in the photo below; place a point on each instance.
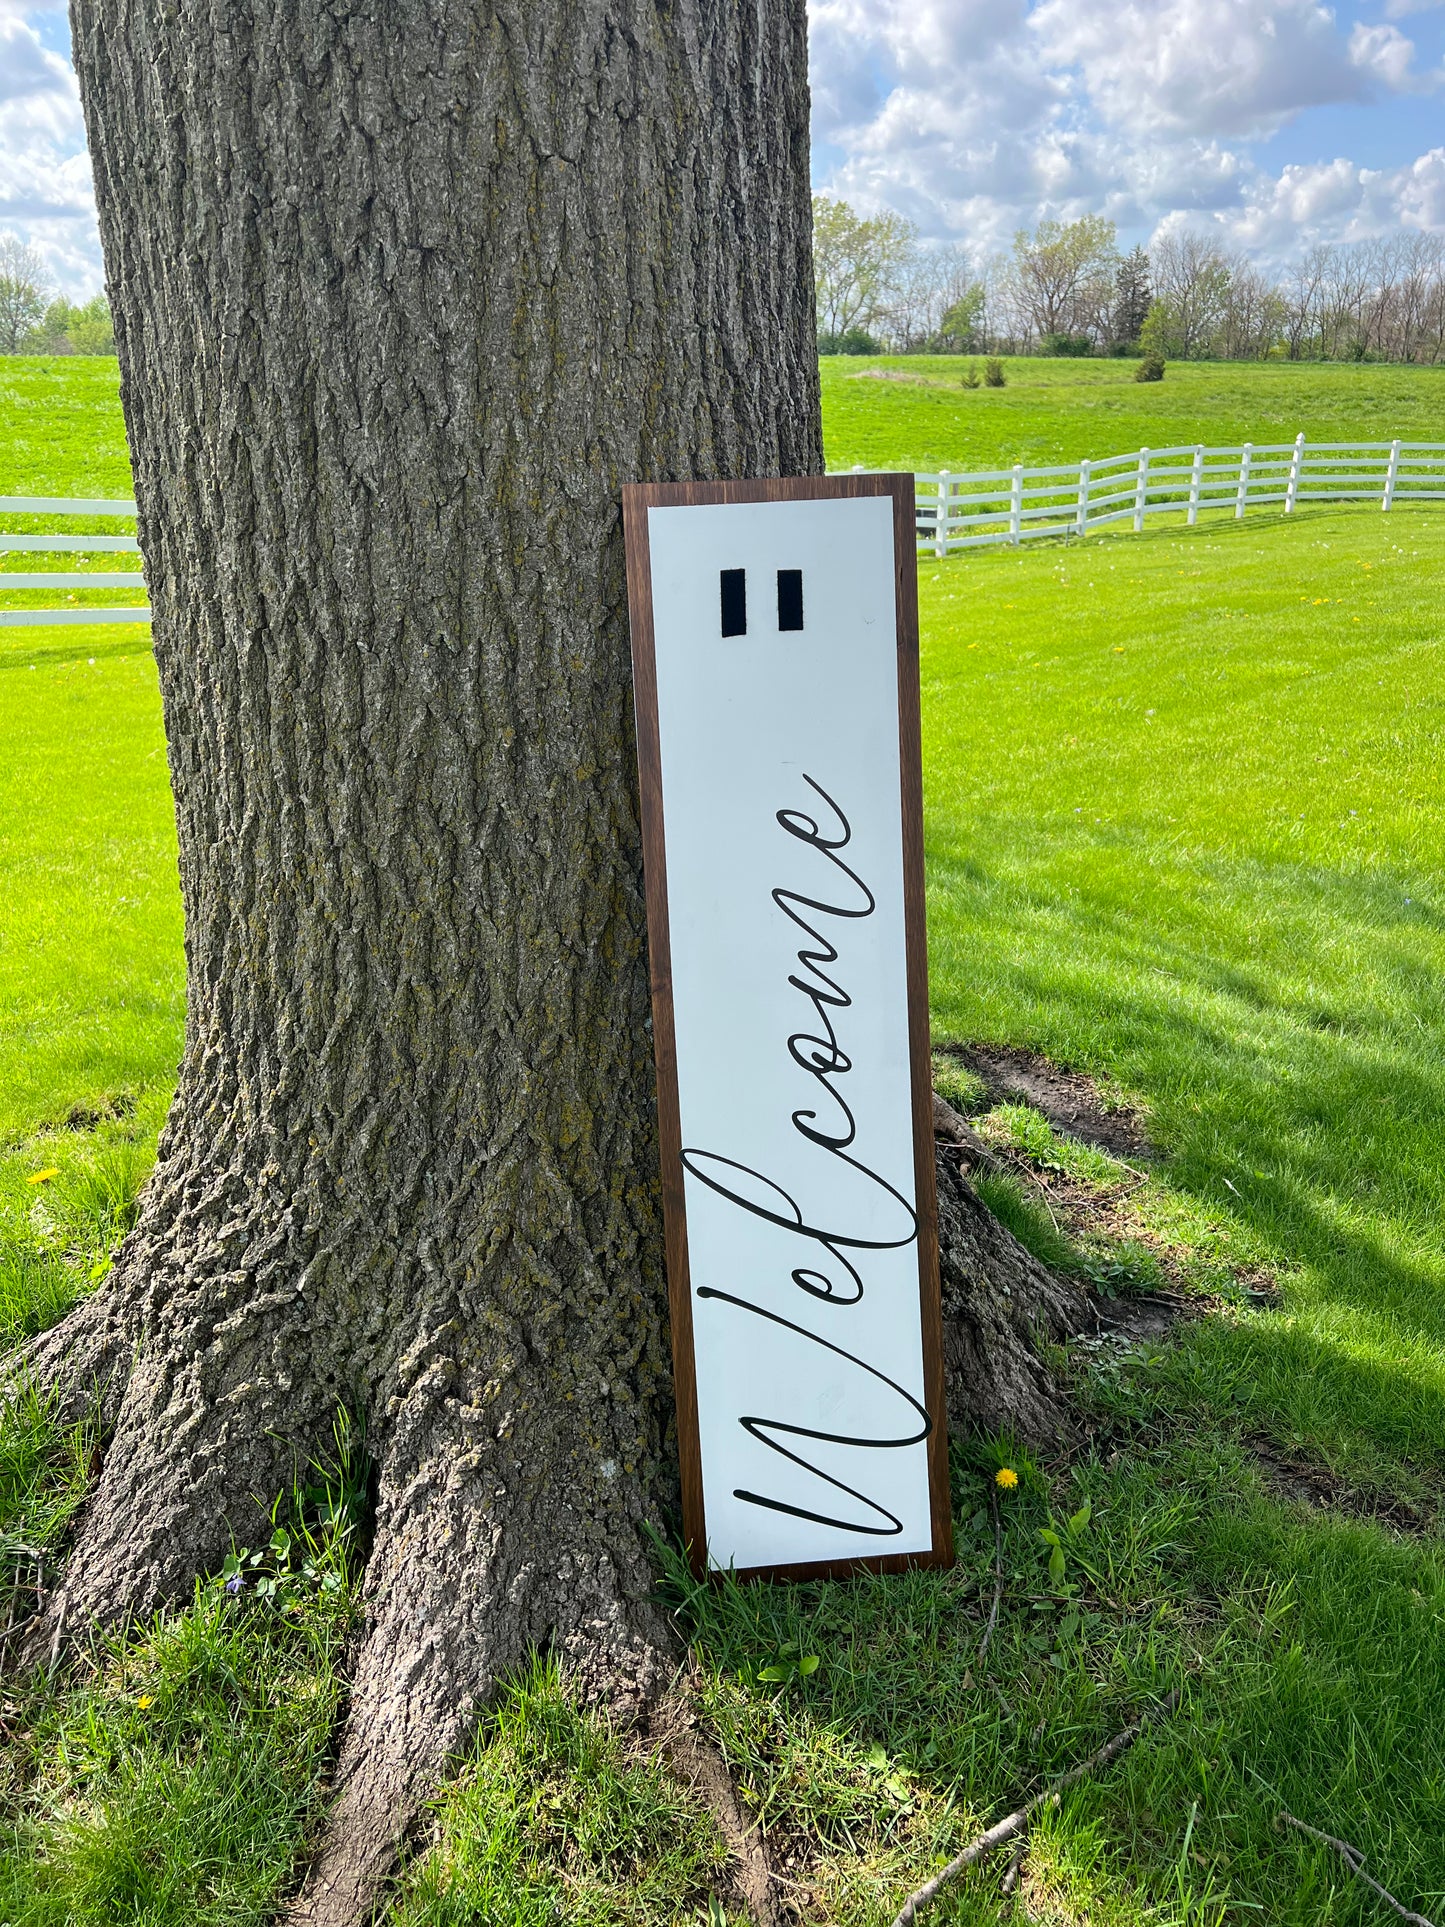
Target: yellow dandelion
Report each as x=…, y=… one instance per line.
x=1118, y=648
x=144, y=1701
x=1006, y=1477
x=44, y=1177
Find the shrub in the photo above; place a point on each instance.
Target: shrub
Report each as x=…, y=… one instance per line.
x=1071, y=345
x=993, y=374
x=970, y=376
x=1151, y=368
x=857, y=341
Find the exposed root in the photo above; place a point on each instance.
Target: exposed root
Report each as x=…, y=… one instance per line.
x=458, y=1595
x=701, y=1766
x=82, y=1363
x=999, y=1303
x=195, y=1460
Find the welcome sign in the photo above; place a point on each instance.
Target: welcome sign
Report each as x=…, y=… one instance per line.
x=775, y=663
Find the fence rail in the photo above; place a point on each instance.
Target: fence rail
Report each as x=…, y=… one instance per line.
x=969, y=511
x=69, y=544
x=1013, y=505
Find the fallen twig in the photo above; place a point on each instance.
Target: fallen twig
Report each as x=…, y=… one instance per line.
x=1014, y=1823
x=1355, y=1861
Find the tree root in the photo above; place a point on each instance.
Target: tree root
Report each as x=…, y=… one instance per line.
x=999, y=1303
x=458, y=1595
x=699, y=1765
x=486, y=1548
x=82, y=1363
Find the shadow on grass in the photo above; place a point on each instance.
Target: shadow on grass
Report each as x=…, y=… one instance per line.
x=1298, y=1092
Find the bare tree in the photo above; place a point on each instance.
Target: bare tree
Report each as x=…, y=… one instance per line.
x=860, y=264
x=930, y=284
x=1254, y=313
x=1062, y=276
x=25, y=288
x=1191, y=296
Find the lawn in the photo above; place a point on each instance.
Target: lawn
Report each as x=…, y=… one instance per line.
x=1184, y=833
x=913, y=412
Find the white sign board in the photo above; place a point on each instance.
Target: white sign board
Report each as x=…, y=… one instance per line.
x=776, y=670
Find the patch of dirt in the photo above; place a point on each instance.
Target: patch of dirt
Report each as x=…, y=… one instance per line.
x=1071, y=1101
x=1102, y=1217
x=1144, y=1316
x=1290, y=1476
x=81, y=1118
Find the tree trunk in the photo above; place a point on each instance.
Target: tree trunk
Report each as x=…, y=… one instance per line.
x=402, y=297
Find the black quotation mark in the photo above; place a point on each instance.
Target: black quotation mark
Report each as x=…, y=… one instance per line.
x=733, y=593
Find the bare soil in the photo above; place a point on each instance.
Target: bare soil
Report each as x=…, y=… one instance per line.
x=1289, y=1475
x=1071, y=1101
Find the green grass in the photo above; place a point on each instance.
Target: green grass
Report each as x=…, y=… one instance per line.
x=1183, y=819
x=557, y=1816
x=171, y=1776
x=1183, y=824
x=61, y=429
x=922, y=418
x=91, y=975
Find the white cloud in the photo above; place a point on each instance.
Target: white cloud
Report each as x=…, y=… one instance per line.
x=1388, y=58
x=45, y=185
x=973, y=117
x=1205, y=67
x=976, y=119
x=1338, y=201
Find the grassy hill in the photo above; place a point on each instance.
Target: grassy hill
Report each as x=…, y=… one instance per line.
x=61, y=430
x=913, y=412
x=1184, y=837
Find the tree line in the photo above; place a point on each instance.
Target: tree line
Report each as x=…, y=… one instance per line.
x=1067, y=288
x=35, y=320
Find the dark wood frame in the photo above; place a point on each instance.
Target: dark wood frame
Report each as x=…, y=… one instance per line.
x=637, y=499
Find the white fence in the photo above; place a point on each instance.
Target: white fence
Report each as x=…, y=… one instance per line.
x=968, y=511
x=1016, y=504
x=69, y=544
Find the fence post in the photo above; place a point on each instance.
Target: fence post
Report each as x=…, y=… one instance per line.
x=1245, y=459
x=1291, y=493
x=1390, y=474
x=1016, y=505
x=941, y=511
x=1141, y=490
x=1196, y=476
x=1081, y=518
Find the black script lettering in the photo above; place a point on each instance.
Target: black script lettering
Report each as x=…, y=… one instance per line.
x=762, y=1429
x=819, y=1052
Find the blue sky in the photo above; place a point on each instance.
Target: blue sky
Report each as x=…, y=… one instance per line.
x=1272, y=123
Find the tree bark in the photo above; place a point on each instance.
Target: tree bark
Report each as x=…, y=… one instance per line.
x=402, y=297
